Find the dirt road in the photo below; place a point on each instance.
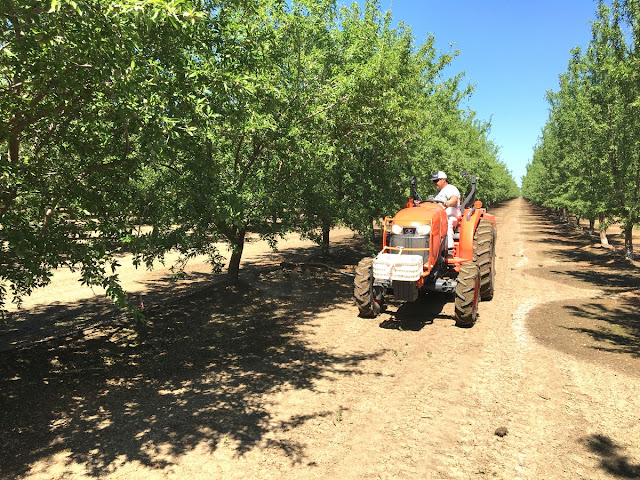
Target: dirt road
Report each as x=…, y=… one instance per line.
x=279, y=378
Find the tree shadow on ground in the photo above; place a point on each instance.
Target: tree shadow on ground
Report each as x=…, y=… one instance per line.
x=58, y=319
x=575, y=249
x=616, y=326
x=42, y=323
x=544, y=229
x=612, y=459
x=605, y=328
x=201, y=373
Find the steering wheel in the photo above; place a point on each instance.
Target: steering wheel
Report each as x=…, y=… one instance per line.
x=435, y=200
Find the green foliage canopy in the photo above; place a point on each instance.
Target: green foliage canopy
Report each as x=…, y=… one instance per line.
x=146, y=126
x=588, y=158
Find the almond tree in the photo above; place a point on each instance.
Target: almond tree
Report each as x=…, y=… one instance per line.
x=204, y=121
x=76, y=124
x=593, y=160
x=256, y=84
x=394, y=116
x=357, y=151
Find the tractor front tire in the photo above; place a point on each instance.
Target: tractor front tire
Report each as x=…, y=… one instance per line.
x=484, y=251
x=368, y=301
x=467, y=295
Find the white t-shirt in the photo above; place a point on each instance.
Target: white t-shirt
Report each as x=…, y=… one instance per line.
x=445, y=194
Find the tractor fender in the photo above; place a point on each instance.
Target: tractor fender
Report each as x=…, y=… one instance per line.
x=468, y=225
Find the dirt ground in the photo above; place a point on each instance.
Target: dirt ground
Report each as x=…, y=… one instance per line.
x=279, y=377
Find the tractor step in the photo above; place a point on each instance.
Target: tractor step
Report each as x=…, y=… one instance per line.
x=454, y=260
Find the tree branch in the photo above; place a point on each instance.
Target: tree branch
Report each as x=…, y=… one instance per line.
x=257, y=150
x=60, y=108
x=12, y=87
x=237, y=155
x=170, y=167
x=98, y=168
x=328, y=107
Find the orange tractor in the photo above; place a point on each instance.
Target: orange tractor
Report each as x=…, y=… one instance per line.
x=415, y=258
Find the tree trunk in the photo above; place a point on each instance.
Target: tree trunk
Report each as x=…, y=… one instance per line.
x=326, y=228
x=603, y=238
x=237, y=245
x=592, y=226
x=373, y=230
x=628, y=241
x=7, y=198
x=603, y=232
x=14, y=149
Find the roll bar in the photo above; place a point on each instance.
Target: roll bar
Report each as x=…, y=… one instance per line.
x=472, y=194
x=414, y=189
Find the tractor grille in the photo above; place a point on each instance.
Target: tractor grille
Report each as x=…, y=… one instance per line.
x=411, y=241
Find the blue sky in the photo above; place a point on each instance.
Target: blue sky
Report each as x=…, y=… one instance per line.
x=512, y=51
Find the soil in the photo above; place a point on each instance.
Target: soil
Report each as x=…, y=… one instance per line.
x=278, y=377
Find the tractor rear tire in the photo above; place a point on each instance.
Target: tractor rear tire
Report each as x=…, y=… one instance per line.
x=467, y=294
x=484, y=251
x=369, y=301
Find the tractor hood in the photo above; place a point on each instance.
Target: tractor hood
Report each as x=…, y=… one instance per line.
x=423, y=214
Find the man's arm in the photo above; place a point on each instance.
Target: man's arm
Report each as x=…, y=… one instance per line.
x=453, y=201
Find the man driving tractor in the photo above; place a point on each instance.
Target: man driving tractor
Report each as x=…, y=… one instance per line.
x=420, y=253
x=449, y=195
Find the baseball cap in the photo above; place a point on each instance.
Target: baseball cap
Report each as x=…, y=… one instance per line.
x=438, y=175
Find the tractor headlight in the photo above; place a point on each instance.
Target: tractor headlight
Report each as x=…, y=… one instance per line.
x=423, y=229
x=396, y=229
